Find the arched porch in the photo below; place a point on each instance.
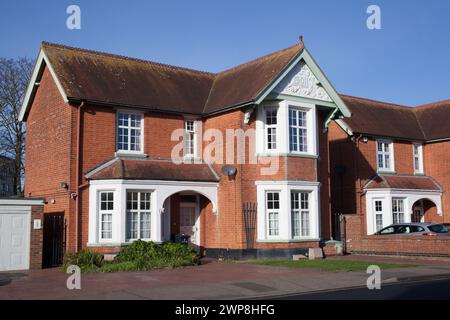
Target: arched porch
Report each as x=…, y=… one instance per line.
x=425, y=210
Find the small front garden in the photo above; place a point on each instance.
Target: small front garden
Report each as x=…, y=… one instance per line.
x=330, y=264
x=138, y=256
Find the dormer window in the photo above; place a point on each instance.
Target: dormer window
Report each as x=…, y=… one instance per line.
x=129, y=132
x=385, y=155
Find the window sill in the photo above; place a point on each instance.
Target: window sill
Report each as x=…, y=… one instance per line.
x=191, y=159
x=293, y=155
x=386, y=171
x=130, y=154
x=288, y=241
x=117, y=244
x=419, y=174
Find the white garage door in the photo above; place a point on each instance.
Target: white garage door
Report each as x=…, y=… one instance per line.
x=14, y=241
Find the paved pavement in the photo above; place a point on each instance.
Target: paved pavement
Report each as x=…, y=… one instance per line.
x=416, y=290
x=213, y=280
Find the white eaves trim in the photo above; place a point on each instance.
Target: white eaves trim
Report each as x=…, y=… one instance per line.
x=341, y=123
x=35, y=77
x=21, y=202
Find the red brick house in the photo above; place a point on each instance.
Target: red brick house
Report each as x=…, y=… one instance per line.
x=390, y=164
x=102, y=131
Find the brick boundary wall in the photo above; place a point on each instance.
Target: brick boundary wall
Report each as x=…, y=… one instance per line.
x=36, y=237
x=358, y=242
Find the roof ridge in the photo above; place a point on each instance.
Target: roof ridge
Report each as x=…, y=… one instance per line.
x=123, y=57
x=377, y=101
x=300, y=45
x=435, y=104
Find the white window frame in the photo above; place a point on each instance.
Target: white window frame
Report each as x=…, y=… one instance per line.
x=267, y=127
x=285, y=188
x=192, y=140
x=283, y=129
x=378, y=213
x=419, y=157
x=272, y=211
x=301, y=212
x=139, y=212
x=105, y=212
x=398, y=212
x=298, y=128
x=129, y=128
x=383, y=153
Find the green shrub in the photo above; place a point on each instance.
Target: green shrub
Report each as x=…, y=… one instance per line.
x=87, y=261
x=138, y=256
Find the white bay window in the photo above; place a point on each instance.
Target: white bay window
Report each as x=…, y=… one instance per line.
x=287, y=211
x=287, y=128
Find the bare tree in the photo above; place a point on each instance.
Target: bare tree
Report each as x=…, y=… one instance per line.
x=14, y=76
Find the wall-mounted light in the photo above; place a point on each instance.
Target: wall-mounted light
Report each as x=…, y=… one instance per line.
x=365, y=139
x=64, y=185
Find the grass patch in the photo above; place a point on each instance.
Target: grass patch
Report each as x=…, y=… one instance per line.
x=138, y=256
x=330, y=264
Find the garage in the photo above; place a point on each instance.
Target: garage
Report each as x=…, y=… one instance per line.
x=16, y=233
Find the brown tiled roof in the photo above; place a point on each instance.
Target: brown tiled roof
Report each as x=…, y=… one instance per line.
x=118, y=80
x=151, y=169
x=112, y=79
x=243, y=83
x=403, y=182
x=382, y=119
x=434, y=119
x=428, y=122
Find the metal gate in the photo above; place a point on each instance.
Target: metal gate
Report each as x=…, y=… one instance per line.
x=249, y=209
x=54, y=239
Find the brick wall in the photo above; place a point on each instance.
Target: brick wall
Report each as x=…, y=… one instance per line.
x=36, y=238
x=358, y=242
x=437, y=165
x=49, y=158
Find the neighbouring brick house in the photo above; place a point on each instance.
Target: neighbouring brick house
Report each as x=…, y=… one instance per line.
x=7, y=176
x=390, y=164
x=100, y=140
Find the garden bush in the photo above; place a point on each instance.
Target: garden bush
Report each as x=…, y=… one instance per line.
x=138, y=256
x=88, y=261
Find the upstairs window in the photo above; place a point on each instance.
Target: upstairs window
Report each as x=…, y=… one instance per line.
x=271, y=128
x=129, y=132
x=298, y=130
x=418, y=158
x=189, y=138
x=385, y=155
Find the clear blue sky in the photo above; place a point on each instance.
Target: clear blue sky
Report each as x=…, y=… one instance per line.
x=407, y=62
